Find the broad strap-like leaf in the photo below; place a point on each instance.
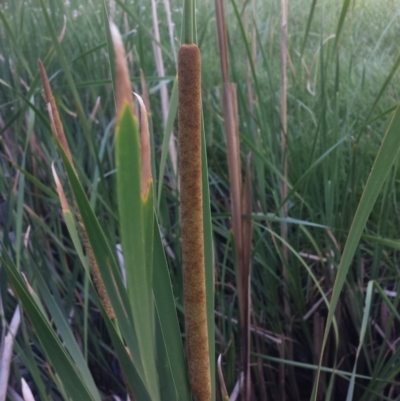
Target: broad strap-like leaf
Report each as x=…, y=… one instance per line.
x=106, y=262
x=136, y=217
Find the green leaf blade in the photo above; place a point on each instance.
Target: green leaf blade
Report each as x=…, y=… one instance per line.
x=171, y=346
x=380, y=170
x=136, y=224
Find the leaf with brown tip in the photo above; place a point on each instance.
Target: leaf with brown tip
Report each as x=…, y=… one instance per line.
x=145, y=150
x=124, y=91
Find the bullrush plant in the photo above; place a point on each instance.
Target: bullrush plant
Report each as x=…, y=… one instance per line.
x=118, y=294
x=140, y=314
x=191, y=207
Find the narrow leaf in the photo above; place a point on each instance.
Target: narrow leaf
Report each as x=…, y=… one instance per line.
x=380, y=170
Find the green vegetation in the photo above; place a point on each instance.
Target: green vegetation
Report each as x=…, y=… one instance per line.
x=323, y=304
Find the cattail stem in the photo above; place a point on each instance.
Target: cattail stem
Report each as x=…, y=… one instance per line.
x=187, y=26
x=191, y=211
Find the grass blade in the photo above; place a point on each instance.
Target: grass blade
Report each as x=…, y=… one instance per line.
x=380, y=170
x=172, y=112
x=69, y=374
x=169, y=325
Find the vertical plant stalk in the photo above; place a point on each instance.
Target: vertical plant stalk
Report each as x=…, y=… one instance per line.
x=127, y=29
x=188, y=23
x=250, y=96
x=261, y=349
x=191, y=213
x=145, y=93
x=242, y=242
x=318, y=332
x=171, y=26
x=284, y=185
x=112, y=10
x=247, y=235
x=163, y=89
x=60, y=135
x=6, y=352
x=223, y=389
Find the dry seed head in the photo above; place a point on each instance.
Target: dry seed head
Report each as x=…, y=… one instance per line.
x=59, y=132
x=55, y=117
x=191, y=212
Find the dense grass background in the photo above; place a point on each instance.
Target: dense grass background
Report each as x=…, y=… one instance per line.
x=343, y=87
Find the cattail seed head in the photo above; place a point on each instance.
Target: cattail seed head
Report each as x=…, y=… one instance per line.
x=191, y=213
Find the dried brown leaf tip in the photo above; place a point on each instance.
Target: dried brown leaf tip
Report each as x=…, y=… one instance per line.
x=124, y=90
x=191, y=211
x=124, y=96
x=53, y=111
x=145, y=149
x=60, y=191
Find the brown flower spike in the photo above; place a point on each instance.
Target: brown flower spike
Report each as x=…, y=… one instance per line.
x=191, y=212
